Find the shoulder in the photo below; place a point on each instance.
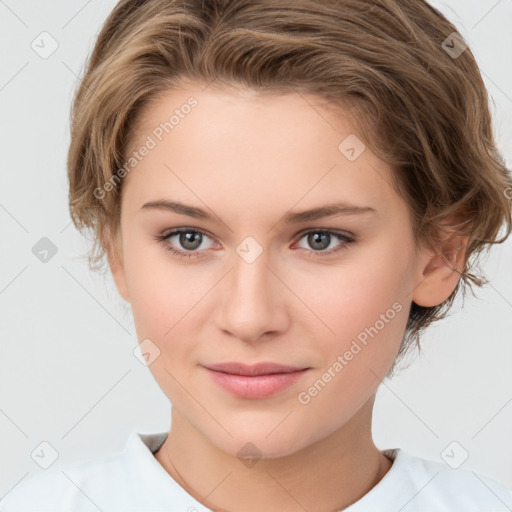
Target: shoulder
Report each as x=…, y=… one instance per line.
x=76, y=487
x=450, y=487
x=127, y=480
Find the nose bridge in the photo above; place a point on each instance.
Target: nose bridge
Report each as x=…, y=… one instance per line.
x=251, y=276
x=250, y=307
x=250, y=273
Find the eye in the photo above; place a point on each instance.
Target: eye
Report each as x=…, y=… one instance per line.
x=321, y=239
x=188, y=238
x=191, y=240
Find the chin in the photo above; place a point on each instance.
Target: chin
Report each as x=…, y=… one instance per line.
x=260, y=445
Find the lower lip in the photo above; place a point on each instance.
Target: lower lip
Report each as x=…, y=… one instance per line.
x=256, y=387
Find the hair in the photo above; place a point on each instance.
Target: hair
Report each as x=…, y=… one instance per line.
x=384, y=62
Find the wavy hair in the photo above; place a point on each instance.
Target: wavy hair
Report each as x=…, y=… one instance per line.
x=420, y=107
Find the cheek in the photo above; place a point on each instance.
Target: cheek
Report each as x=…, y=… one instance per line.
x=165, y=299
x=343, y=299
x=363, y=306
x=369, y=320
x=355, y=292
x=159, y=290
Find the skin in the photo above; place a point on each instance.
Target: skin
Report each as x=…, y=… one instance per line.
x=250, y=160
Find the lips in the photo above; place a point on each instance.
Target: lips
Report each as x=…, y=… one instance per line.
x=254, y=369
x=256, y=381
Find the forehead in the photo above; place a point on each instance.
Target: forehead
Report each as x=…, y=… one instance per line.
x=237, y=147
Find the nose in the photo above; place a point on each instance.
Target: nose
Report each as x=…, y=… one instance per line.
x=253, y=301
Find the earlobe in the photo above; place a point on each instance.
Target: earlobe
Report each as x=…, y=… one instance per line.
x=114, y=250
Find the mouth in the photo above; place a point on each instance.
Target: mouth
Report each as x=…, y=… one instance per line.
x=258, y=381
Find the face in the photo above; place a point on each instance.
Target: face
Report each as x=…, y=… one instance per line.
x=252, y=281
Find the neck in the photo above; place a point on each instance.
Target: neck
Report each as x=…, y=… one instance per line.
x=328, y=475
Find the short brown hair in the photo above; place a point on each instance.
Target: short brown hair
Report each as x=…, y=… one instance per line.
x=419, y=108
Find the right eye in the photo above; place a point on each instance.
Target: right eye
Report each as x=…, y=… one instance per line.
x=188, y=238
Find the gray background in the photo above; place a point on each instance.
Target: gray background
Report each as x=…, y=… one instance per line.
x=68, y=375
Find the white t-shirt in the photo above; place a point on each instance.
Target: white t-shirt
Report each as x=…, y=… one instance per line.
x=134, y=481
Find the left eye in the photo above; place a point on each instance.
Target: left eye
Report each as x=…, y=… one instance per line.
x=321, y=240
x=191, y=240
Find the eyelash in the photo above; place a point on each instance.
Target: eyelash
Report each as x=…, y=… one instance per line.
x=195, y=254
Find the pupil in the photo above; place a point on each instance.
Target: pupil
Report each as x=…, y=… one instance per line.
x=315, y=239
x=187, y=238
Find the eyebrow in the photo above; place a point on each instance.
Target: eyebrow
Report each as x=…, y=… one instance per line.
x=320, y=212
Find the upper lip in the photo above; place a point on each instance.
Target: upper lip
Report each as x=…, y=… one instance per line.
x=264, y=368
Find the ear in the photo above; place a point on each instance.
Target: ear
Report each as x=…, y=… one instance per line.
x=439, y=267
x=114, y=248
